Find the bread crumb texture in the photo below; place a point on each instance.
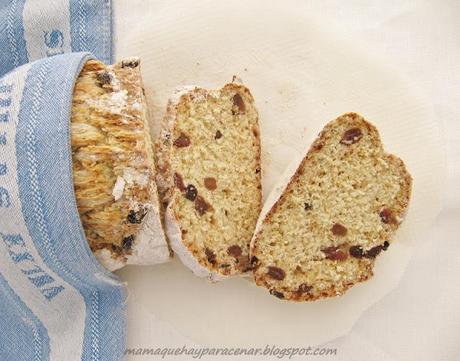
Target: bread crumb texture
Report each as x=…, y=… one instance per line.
x=113, y=163
x=337, y=214
x=209, y=174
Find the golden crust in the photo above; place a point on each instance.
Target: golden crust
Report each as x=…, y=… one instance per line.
x=112, y=156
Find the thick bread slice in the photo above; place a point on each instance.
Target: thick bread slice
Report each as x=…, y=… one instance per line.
x=338, y=211
x=113, y=165
x=209, y=178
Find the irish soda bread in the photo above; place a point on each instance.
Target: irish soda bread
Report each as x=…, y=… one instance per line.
x=113, y=165
x=338, y=212
x=209, y=178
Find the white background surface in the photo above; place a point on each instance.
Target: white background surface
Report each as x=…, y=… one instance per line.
x=420, y=319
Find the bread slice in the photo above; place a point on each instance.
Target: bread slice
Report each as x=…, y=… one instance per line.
x=209, y=178
x=338, y=212
x=113, y=166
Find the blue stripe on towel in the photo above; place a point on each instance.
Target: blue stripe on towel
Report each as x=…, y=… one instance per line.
x=12, y=44
x=29, y=340
x=91, y=28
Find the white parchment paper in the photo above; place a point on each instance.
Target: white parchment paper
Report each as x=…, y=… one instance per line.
x=301, y=77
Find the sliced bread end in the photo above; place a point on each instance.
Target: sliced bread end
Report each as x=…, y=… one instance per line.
x=337, y=213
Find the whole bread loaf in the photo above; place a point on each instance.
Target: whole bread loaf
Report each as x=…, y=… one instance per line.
x=113, y=166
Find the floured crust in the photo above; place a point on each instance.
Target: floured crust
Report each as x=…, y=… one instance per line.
x=113, y=165
x=187, y=258
x=335, y=247
x=204, y=259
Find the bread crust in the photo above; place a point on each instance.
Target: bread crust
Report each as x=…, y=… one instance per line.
x=113, y=164
x=174, y=233
x=291, y=181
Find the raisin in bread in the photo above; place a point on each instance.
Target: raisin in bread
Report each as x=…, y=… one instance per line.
x=336, y=214
x=209, y=178
x=113, y=166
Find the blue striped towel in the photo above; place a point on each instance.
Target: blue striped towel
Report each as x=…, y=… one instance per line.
x=56, y=301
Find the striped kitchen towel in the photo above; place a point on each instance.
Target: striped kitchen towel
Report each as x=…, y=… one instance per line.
x=36, y=29
x=56, y=301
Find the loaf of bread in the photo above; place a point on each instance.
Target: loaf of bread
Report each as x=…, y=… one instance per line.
x=209, y=178
x=113, y=166
x=335, y=215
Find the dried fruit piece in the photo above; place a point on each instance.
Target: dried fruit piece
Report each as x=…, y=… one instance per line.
x=136, y=217
x=243, y=263
x=339, y=230
x=334, y=253
x=218, y=135
x=238, y=101
x=318, y=147
x=210, y=255
x=374, y=251
x=179, y=182
x=104, y=78
x=191, y=192
x=210, y=183
x=307, y=206
x=116, y=249
x=127, y=242
x=276, y=273
x=304, y=288
x=200, y=205
x=254, y=260
x=351, y=136
x=130, y=63
x=356, y=251
x=182, y=142
x=386, y=215
x=234, y=250
x=277, y=294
